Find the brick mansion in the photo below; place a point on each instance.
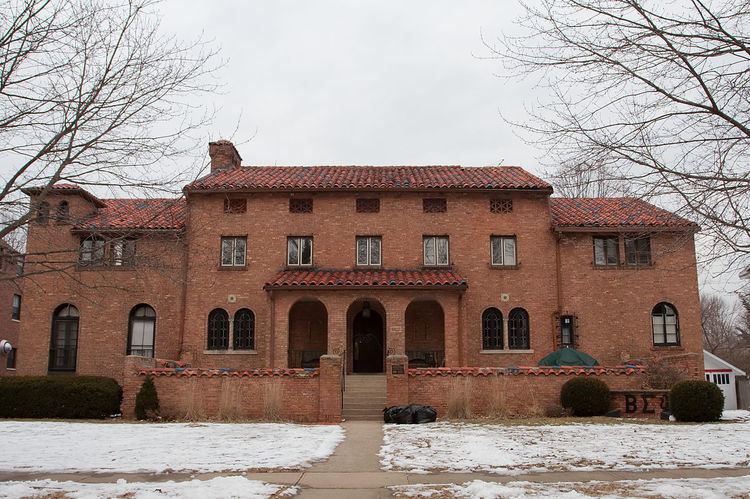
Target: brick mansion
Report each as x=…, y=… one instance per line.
x=410, y=272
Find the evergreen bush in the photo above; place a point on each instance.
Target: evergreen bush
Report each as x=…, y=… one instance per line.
x=585, y=396
x=147, y=400
x=696, y=401
x=60, y=396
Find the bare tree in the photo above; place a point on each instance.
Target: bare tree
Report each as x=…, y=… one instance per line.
x=91, y=92
x=654, y=96
x=720, y=333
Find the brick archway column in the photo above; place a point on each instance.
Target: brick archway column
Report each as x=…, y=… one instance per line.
x=337, y=305
x=282, y=303
x=395, y=337
x=451, y=316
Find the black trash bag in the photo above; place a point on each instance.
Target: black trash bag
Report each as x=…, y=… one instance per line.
x=423, y=414
x=400, y=414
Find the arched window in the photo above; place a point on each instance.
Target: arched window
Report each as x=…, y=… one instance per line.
x=244, y=330
x=218, y=329
x=665, y=325
x=42, y=213
x=64, y=342
x=492, y=329
x=518, y=330
x=63, y=211
x=142, y=330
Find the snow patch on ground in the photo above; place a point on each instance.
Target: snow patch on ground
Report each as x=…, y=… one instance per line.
x=155, y=448
x=512, y=450
x=688, y=488
x=736, y=415
x=216, y=488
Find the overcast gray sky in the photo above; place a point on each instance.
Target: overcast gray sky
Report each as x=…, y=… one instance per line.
x=360, y=82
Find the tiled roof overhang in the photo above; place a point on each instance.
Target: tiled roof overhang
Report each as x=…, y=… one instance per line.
x=64, y=189
x=383, y=279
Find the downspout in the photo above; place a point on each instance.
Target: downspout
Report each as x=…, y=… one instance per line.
x=272, y=338
x=185, y=267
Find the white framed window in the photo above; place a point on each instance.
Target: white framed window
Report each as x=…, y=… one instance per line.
x=233, y=251
x=368, y=251
x=503, y=249
x=299, y=251
x=436, y=252
x=92, y=251
x=123, y=252
x=606, y=251
x=665, y=324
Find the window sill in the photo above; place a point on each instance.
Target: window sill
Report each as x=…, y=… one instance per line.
x=231, y=268
x=622, y=266
x=368, y=267
x=656, y=348
x=504, y=267
x=118, y=268
x=437, y=267
x=10, y=368
x=504, y=351
x=299, y=267
x=230, y=352
x=16, y=320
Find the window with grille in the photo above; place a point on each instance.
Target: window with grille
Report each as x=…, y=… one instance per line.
x=218, y=330
x=665, y=325
x=518, y=329
x=501, y=205
x=63, y=348
x=142, y=331
x=434, y=205
x=567, y=331
x=63, y=212
x=492, y=329
x=235, y=205
x=503, y=249
x=42, y=213
x=638, y=251
x=244, y=329
x=368, y=251
x=16, y=308
x=233, y=251
x=606, y=251
x=297, y=205
x=369, y=205
x=299, y=251
x=436, y=252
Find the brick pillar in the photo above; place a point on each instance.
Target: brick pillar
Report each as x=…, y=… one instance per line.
x=281, y=331
x=329, y=409
x=336, y=326
x=397, y=380
x=395, y=337
x=451, y=315
x=131, y=382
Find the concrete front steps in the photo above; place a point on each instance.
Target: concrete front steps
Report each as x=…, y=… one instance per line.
x=364, y=397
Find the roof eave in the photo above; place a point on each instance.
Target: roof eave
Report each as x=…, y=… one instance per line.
x=626, y=228
x=541, y=190
x=334, y=287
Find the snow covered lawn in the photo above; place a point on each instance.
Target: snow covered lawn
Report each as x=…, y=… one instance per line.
x=156, y=448
x=512, y=450
x=216, y=488
x=689, y=488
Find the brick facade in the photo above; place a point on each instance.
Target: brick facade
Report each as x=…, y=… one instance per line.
x=433, y=321
x=10, y=287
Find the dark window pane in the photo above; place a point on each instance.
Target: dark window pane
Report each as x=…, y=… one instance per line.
x=492, y=329
x=518, y=329
x=244, y=330
x=218, y=330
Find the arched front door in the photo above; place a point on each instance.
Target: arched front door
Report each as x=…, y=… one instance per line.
x=369, y=347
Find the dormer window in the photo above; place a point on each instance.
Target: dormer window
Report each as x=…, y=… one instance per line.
x=42, y=213
x=63, y=212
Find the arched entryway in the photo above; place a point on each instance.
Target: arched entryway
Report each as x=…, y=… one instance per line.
x=308, y=333
x=425, y=334
x=367, y=337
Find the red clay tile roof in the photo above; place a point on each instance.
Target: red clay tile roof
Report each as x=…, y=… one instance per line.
x=67, y=188
x=613, y=212
x=320, y=178
x=366, y=278
x=140, y=214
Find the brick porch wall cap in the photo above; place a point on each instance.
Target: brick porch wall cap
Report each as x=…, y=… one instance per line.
x=230, y=373
x=527, y=371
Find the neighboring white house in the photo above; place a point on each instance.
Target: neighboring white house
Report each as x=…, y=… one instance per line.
x=724, y=375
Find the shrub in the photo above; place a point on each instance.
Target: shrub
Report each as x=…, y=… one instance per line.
x=63, y=397
x=696, y=400
x=147, y=400
x=585, y=396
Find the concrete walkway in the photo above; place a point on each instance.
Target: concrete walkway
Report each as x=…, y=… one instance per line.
x=353, y=471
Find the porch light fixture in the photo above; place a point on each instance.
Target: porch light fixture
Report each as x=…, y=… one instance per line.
x=366, y=310
x=5, y=347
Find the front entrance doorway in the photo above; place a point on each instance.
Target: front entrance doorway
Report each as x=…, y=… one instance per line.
x=368, y=345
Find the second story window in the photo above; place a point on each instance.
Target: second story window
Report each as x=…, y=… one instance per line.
x=92, y=252
x=42, y=213
x=368, y=251
x=606, y=251
x=299, y=251
x=638, y=251
x=503, y=249
x=233, y=251
x=16, y=310
x=436, y=251
x=235, y=205
x=368, y=205
x=122, y=253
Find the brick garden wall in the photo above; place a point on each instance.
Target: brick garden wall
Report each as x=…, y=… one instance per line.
x=260, y=394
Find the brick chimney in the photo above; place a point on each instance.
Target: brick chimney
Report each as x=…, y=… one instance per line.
x=223, y=155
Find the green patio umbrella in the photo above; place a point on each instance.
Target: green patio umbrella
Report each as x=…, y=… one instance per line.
x=568, y=357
